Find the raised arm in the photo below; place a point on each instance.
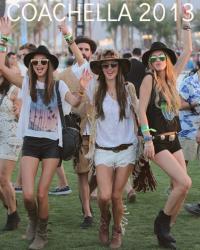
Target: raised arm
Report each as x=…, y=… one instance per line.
x=145, y=93
x=71, y=43
x=187, y=46
x=9, y=74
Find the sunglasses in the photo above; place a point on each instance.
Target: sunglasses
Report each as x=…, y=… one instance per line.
x=112, y=65
x=35, y=62
x=153, y=59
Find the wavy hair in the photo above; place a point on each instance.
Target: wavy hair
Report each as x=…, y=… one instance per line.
x=49, y=84
x=169, y=90
x=120, y=90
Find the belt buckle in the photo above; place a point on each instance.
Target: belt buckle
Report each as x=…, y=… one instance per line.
x=162, y=137
x=172, y=137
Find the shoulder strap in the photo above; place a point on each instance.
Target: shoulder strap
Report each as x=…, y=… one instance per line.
x=60, y=106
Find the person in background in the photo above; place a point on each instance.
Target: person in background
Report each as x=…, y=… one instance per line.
x=10, y=146
x=137, y=70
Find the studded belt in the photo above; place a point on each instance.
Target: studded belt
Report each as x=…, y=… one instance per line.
x=114, y=149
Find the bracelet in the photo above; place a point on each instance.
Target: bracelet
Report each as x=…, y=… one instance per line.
x=186, y=27
x=147, y=138
x=81, y=93
x=69, y=38
x=3, y=48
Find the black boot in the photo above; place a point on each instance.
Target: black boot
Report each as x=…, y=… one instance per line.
x=12, y=222
x=162, y=230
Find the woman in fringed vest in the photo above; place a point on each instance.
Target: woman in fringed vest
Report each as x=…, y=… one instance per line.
x=113, y=141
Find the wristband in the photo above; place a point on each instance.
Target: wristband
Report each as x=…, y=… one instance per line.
x=3, y=48
x=69, y=38
x=145, y=128
x=5, y=39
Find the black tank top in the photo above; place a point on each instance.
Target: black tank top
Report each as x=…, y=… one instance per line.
x=159, y=118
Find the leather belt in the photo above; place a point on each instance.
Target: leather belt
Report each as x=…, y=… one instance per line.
x=114, y=149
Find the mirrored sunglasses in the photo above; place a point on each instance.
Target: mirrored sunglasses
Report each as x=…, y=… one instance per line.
x=35, y=62
x=107, y=65
x=153, y=59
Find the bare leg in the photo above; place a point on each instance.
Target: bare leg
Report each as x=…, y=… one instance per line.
x=62, y=178
x=84, y=193
x=48, y=169
x=6, y=169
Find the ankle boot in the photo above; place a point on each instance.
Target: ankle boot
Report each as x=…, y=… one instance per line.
x=41, y=235
x=116, y=241
x=12, y=222
x=32, y=225
x=162, y=230
x=104, y=229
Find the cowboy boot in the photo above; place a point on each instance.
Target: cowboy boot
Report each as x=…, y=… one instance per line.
x=116, y=241
x=12, y=221
x=104, y=229
x=41, y=235
x=162, y=231
x=32, y=225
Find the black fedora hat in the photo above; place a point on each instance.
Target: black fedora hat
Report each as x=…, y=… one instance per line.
x=85, y=39
x=44, y=51
x=159, y=46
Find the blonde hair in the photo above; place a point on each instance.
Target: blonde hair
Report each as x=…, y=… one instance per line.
x=169, y=89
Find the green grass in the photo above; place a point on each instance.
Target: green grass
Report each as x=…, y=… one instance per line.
x=65, y=217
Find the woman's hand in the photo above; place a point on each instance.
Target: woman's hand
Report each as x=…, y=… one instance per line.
x=85, y=78
x=5, y=26
x=64, y=28
x=149, y=151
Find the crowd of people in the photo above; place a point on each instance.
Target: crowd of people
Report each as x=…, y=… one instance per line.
x=137, y=97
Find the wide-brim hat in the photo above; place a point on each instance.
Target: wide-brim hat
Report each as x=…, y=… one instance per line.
x=85, y=39
x=159, y=46
x=109, y=55
x=44, y=51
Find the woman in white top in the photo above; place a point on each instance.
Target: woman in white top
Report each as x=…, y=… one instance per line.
x=114, y=138
x=9, y=149
x=40, y=128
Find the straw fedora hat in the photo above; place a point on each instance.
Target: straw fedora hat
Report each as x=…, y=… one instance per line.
x=109, y=55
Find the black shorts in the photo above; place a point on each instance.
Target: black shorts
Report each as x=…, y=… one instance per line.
x=171, y=146
x=41, y=148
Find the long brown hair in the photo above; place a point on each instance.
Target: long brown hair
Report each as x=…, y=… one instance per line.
x=49, y=84
x=168, y=90
x=120, y=90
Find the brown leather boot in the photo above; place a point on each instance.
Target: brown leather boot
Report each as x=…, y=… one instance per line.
x=116, y=241
x=104, y=229
x=41, y=235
